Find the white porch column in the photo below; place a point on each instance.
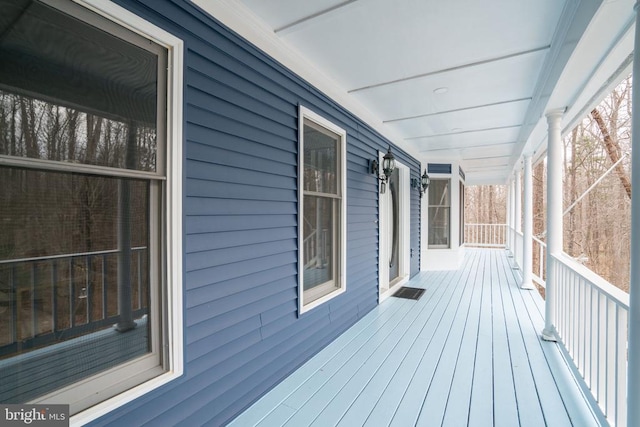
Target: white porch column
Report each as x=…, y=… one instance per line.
x=517, y=215
x=508, y=215
x=518, y=204
x=512, y=191
x=633, y=373
x=527, y=240
x=554, y=217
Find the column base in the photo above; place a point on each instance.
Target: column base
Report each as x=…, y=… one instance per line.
x=124, y=326
x=528, y=286
x=549, y=334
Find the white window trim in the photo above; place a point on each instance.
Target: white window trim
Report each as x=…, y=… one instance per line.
x=305, y=113
x=172, y=232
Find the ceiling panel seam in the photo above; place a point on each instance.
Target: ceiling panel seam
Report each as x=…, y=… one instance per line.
x=450, y=69
x=464, y=131
x=467, y=147
x=456, y=110
x=298, y=22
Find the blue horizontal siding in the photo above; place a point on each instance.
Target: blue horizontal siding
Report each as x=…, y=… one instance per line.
x=439, y=167
x=243, y=333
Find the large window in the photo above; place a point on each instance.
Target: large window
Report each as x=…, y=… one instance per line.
x=322, y=210
x=86, y=277
x=439, y=213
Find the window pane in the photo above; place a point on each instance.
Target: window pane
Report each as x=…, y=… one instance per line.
x=88, y=97
x=439, y=226
x=320, y=215
x=439, y=192
x=439, y=206
x=70, y=245
x=320, y=160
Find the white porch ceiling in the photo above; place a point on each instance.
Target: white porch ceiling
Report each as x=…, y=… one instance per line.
x=456, y=79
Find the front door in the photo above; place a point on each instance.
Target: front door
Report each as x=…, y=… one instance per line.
x=394, y=232
x=393, y=239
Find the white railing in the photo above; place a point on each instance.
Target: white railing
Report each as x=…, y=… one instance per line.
x=65, y=295
x=517, y=249
x=591, y=317
x=310, y=249
x=485, y=235
x=539, y=273
x=500, y=236
x=315, y=248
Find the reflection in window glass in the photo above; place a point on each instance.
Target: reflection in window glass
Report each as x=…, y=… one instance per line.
x=85, y=90
x=439, y=213
x=321, y=212
x=80, y=273
x=41, y=130
x=61, y=251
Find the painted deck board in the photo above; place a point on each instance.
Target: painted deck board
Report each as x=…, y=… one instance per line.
x=467, y=353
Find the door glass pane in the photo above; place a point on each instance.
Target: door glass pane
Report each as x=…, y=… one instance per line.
x=320, y=160
x=394, y=225
x=318, y=248
x=69, y=247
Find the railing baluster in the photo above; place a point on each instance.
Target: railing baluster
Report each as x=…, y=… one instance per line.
x=602, y=349
x=579, y=324
x=34, y=309
x=72, y=322
x=87, y=288
x=54, y=296
x=540, y=265
x=104, y=286
x=592, y=339
x=611, y=360
x=14, y=306
x=621, y=366
x=138, y=253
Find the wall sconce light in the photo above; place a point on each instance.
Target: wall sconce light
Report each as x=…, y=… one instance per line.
x=388, y=166
x=421, y=184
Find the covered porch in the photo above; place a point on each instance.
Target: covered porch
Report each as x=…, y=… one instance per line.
x=468, y=352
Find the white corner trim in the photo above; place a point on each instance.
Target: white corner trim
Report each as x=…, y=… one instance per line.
x=174, y=226
x=238, y=17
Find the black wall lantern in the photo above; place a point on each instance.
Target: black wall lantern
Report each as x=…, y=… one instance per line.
x=422, y=184
x=388, y=166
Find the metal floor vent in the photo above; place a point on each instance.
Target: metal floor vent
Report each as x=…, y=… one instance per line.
x=409, y=293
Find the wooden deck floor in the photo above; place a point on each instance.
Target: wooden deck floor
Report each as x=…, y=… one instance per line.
x=467, y=353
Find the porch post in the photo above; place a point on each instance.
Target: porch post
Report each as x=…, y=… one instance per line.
x=518, y=206
x=554, y=217
x=507, y=231
x=125, y=307
x=633, y=373
x=517, y=215
x=512, y=191
x=527, y=239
